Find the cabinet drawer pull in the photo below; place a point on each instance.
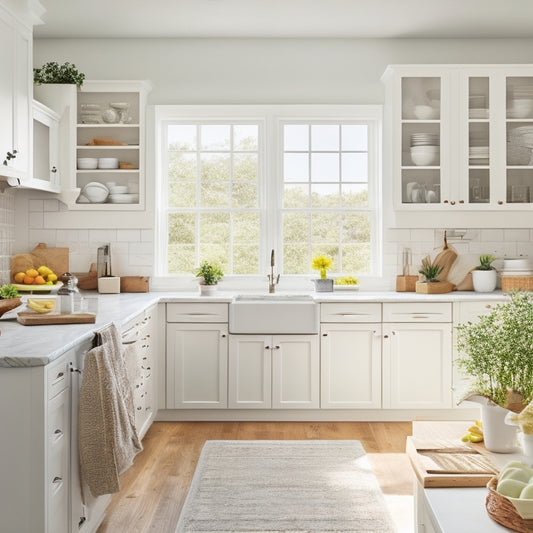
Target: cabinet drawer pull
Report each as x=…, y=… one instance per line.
x=324, y=334
x=421, y=316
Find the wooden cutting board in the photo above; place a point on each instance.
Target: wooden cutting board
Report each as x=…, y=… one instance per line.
x=449, y=464
x=27, y=318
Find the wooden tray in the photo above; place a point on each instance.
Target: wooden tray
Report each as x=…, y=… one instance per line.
x=461, y=466
x=27, y=318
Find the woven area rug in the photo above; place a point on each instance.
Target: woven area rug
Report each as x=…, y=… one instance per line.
x=284, y=486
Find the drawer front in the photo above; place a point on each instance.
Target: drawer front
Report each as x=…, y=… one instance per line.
x=350, y=312
x=57, y=377
x=464, y=312
x=197, y=312
x=417, y=312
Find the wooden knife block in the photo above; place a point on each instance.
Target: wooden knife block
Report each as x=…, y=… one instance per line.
x=406, y=283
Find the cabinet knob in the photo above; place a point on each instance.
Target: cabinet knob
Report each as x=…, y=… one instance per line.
x=500, y=202
x=57, y=479
x=54, y=170
x=452, y=202
x=223, y=335
x=461, y=201
x=276, y=347
x=267, y=347
x=445, y=201
x=58, y=432
x=324, y=334
x=385, y=336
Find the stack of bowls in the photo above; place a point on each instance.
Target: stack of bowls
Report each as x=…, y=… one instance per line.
x=108, y=163
x=517, y=267
x=94, y=193
x=425, y=112
x=425, y=148
x=87, y=163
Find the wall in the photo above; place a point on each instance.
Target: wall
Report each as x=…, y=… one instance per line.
x=265, y=71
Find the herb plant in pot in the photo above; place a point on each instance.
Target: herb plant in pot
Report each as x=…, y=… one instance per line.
x=210, y=274
x=9, y=298
x=496, y=354
x=322, y=263
x=431, y=284
x=484, y=276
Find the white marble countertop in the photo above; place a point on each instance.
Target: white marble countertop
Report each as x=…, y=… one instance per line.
x=38, y=345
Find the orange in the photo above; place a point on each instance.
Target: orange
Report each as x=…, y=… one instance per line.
x=19, y=277
x=28, y=280
x=32, y=272
x=39, y=280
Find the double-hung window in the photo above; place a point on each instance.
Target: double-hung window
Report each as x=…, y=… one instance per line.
x=234, y=182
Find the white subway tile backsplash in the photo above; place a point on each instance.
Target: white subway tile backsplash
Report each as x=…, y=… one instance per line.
x=488, y=235
x=147, y=235
x=35, y=205
x=518, y=235
x=50, y=205
x=36, y=220
x=102, y=236
x=128, y=235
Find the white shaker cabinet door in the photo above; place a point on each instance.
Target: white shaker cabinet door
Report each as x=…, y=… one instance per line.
x=295, y=372
x=250, y=372
x=351, y=366
x=417, y=366
x=197, y=359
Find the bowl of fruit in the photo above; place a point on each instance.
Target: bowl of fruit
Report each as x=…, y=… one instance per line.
x=37, y=280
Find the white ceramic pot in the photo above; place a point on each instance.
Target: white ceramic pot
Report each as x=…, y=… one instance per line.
x=207, y=290
x=323, y=285
x=484, y=280
x=497, y=435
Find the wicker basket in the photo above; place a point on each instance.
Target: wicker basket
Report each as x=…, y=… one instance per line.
x=501, y=510
x=8, y=303
x=520, y=283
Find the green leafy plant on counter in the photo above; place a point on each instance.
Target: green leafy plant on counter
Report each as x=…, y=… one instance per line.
x=485, y=262
x=430, y=271
x=52, y=72
x=496, y=351
x=8, y=291
x=210, y=273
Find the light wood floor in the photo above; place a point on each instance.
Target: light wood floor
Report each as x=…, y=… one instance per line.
x=154, y=488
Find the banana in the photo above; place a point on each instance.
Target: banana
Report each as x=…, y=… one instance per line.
x=41, y=306
x=476, y=430
x=479, y=424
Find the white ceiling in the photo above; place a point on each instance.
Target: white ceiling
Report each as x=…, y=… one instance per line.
x=287, y=18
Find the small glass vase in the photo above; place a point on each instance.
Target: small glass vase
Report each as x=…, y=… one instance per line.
x=323, y=285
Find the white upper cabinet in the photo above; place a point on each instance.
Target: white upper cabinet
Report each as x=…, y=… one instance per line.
x=15, y=93
x=459, y=139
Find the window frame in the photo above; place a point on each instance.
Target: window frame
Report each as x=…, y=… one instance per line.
x=270, y=119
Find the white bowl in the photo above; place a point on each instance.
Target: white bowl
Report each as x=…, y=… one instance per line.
x=118, y=189
x=123, y=198
x=87, y=163
x=108, y=162
x=425, y=112
x=424, y=159
x=95, y=192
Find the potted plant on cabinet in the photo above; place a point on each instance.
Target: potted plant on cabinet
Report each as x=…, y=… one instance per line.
x=210, y=274
x=496, y=354
x=322, y=263
x=52, y=72
x=484, y=276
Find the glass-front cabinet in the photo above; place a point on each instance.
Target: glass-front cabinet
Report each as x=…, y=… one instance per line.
x=459, y=138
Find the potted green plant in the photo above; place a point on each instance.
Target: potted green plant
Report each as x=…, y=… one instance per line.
x=431, y=284
x=484, y=276
x=53, y=72
x=322, y=263
x=495, y=354
x=210, y=274
x=9, y=298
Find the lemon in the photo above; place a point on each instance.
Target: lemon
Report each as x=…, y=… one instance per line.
x=51, y=277
x=32, y=273
x=44, y=270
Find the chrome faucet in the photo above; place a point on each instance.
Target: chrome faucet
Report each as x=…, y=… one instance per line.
x=272, y=280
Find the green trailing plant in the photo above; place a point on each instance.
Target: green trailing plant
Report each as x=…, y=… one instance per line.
x=497, y=351
x=52, y=72
x=8, y=291
x=429, y=270
x=485, y=262
x=210, y=273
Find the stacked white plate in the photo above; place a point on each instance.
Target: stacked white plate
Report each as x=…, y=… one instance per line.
x=478, y=155
x=517, y=267
x=424, y=139
x=522, y=102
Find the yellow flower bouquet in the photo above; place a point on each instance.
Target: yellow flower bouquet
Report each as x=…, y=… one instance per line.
x=322, y=263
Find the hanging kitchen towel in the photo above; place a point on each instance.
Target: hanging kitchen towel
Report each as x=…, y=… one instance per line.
x=107, y=437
